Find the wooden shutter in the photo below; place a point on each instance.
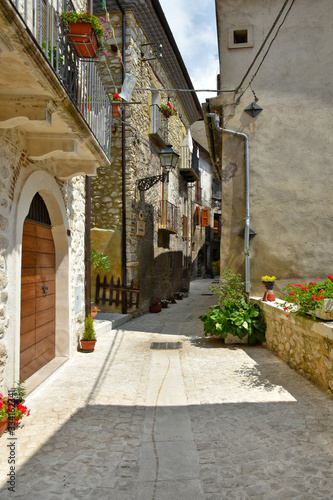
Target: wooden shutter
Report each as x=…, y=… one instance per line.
x=197, y=216
x=205, y=217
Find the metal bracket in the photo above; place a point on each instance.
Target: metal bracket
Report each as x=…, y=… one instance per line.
x=148, y=182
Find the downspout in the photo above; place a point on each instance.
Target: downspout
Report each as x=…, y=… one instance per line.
x=215, y=119
x=123, y=162
x=87, y=237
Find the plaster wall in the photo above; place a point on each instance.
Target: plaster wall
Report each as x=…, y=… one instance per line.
x=290, y=143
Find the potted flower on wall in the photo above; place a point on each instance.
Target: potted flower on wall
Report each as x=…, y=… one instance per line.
x=268, y=282
x=165, y=303
x=88, y=339
x=155, y=306
x=86, y=33
x=116, y=99
x=168, y=110
x=314, y=298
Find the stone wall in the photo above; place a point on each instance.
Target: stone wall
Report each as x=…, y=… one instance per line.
x=15, y=169
x=305, y=344
x=142, y=160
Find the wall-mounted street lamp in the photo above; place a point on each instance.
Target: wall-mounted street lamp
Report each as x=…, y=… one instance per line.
x=169, y=160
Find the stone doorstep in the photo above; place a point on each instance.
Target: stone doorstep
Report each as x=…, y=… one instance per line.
x=105, y=322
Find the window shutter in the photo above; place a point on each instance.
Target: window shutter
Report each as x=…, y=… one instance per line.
x=205, y=217
x=197, y=218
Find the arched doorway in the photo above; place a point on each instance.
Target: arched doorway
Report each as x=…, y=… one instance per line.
x=38, y=294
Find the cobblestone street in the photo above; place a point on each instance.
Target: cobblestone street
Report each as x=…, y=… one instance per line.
x=202, y=421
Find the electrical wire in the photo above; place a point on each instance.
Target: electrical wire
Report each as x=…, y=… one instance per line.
x=268, y=49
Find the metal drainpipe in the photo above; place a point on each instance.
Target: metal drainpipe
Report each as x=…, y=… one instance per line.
x=123, y=160
x=247, y=197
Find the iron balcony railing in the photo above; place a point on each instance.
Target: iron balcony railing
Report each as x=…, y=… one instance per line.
x=169, y=216
x=80, y=77
x=158, y=123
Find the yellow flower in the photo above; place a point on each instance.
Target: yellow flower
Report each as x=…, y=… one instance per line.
x=268, y=278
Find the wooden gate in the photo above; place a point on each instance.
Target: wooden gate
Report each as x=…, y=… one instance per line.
x=118, y=293
x=37, y=346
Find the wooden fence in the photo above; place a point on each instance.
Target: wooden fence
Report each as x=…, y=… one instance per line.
x=116, y=293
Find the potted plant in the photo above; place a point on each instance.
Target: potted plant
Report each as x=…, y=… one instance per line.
x=172, y=300
x=116, y=99
x=233, y=315
x=155, y=306
x=10, y=415
x=86, y=33
x=179, y=295
x=88, y=339
x=165, y=303
x=94, y=310
x=168, y=110
x=99, y=260
x=185, y=292
x=313, y=298
x=268, y=282
x=18, y=392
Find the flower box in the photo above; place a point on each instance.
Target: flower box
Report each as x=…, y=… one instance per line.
x=155, y=308
x=83, y=39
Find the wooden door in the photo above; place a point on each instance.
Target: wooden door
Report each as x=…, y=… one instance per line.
x=37, y=298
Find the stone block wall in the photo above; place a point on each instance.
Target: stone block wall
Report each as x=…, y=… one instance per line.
x=142, y=160
x=15, y=169
x=305, y=344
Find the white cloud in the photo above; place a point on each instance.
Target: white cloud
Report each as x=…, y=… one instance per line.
x=193, y=25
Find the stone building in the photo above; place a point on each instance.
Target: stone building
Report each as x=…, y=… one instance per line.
x=274, y=56
x=145, y=226
x=206, y=228
x=47, y=147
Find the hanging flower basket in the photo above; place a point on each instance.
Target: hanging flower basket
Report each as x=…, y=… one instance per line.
x=83, y=39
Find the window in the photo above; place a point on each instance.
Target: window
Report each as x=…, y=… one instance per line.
x=205, y=217
x=240, y=37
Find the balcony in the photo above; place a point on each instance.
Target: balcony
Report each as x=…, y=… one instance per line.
x=56, y=99
x=168, y=218
x=189, y=167
x=158, y=127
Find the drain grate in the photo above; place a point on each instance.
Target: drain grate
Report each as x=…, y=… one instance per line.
x=166, y=345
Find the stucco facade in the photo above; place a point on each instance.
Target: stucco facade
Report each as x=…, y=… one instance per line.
x=290, y=144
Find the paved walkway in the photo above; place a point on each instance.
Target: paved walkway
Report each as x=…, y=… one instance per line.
x=205, y=421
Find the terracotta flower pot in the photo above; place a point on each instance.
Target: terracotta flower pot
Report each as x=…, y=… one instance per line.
x=268, y=295
x=83, y=39
x=116, y=109
x=164, y=306
x=93, y=314
x=88, y=345
x=166, y=113
x=155, y=309
x=3, y=426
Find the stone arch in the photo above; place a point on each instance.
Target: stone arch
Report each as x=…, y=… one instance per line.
x=44, y=184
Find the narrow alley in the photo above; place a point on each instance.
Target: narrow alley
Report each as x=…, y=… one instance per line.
x=201, y=420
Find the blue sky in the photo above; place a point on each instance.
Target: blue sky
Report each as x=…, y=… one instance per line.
x=193, y=24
